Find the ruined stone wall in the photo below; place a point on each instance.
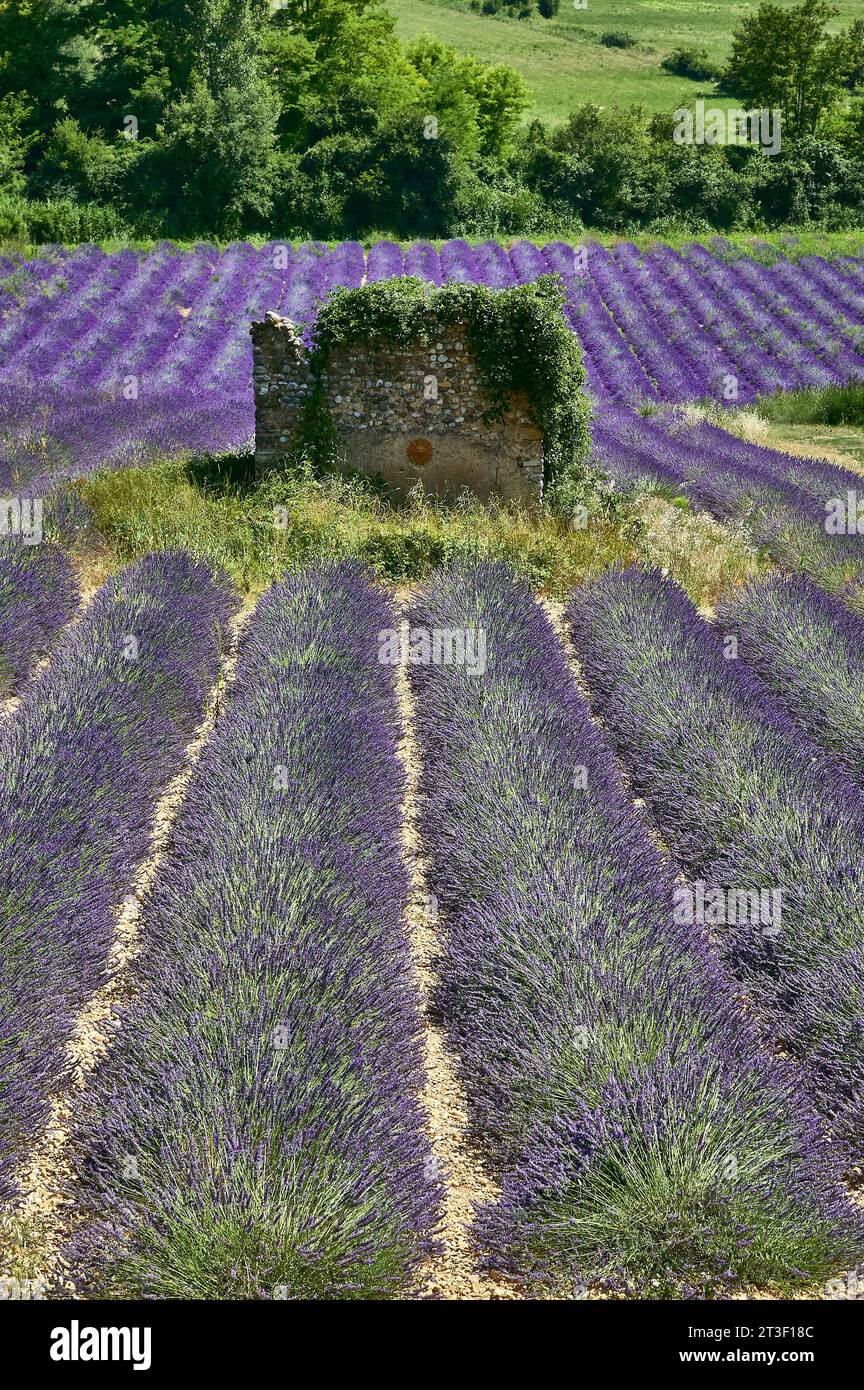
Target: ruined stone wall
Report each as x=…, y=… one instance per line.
x=403, y=414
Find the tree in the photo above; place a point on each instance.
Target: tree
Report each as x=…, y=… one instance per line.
x=615, y=174
x=336, y=67
x=501, y=97
x=212, y=165
x=786, y=59
x=855, y=42
x=13, y=144
x=47, y=56
x=479, y=105
x=80, y=166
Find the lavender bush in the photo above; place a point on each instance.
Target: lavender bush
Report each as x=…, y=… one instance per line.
x=84, y=759
x=256, y=1132
x=809, y=648
x=780, y=499
x=640, y=1135
x=746, y=803
x=38, y=594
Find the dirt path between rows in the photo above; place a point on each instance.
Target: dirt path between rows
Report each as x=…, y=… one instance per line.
x=46, y=1217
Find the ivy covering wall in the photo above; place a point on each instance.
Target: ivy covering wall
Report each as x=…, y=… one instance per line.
x=519, y=338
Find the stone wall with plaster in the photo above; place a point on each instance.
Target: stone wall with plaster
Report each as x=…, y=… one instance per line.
x=406, y=415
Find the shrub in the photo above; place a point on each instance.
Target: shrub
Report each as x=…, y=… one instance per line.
x=14, y=225
x=809, y=649
x=618, y=38
x=62, y=221
x=85, y=758
x=38, y=593
x=823, y=405
x=275, y=1034
x=694, y=63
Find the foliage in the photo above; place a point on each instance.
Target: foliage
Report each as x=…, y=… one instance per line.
x=519, y=337
x=620, y=169
x=822, y=405
x=517, y=9
x=211, y=166
x=695, y=63
x=618, y=38
x=217, y=511
x=209, y=118
x=786, y=58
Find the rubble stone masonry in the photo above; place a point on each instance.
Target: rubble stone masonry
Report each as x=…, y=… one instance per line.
x=403, y=414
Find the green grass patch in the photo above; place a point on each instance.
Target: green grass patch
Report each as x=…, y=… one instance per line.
x=825, y=405
x=258, y=531
x=564, y=61
x=783, y=243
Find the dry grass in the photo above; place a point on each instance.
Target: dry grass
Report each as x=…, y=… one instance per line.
x=706, y=557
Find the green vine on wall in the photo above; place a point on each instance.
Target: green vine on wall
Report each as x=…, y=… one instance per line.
x=519, y=339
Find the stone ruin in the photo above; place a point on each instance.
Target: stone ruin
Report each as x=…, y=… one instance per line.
x=407, y=415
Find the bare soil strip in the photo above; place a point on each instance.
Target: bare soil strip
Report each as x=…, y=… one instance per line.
x=453, y=1274
x=47, y=1213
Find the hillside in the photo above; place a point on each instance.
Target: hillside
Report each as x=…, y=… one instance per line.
x=563, y=61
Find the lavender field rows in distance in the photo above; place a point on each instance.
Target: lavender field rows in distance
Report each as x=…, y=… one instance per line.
x=116, y=358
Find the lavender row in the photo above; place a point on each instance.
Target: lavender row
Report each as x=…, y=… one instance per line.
x=38, y=594
x=809, y=649
x=84, y=759
x=639, y=1134
x=256, y=1132
x=767, y=827
x=783, y=501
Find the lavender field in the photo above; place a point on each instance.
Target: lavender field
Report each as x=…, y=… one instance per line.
x=364, y=938
x=117, y=359
x=243, y=1060
x=114, y=358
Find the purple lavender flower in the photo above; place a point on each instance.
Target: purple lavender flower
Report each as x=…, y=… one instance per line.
x=38, y=594
x=747, y=804
x=85, y=757
x=809, y=649
x=100, y=353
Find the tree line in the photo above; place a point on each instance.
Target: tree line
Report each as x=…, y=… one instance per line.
x=309, y=118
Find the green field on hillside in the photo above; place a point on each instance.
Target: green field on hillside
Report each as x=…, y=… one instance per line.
x=563, y=61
